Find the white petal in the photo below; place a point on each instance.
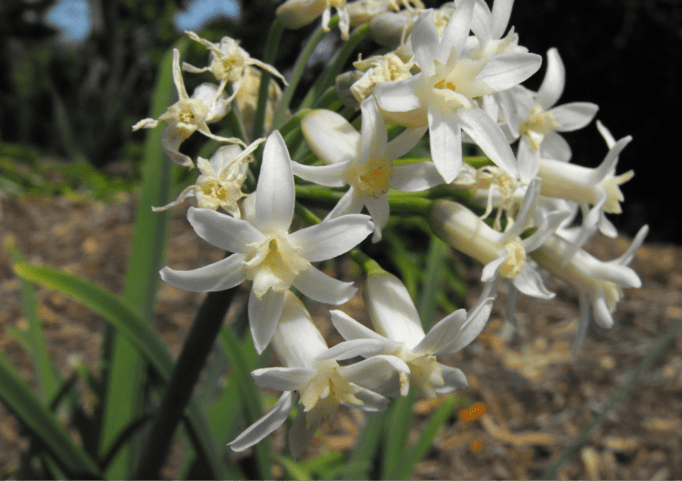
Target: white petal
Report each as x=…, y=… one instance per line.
x=527, y=209
x=504, y=71
x=374, y=372
x=583, y=323
x=222, y=230
x=330, y=136
x=399, y=96
x=264, y=313
x=457, y=30
x=491, y=268
x=221, y=275
x=333, y=237
x=404, y=142
x=602, y=314
x=380, y=210
x=554, y=146
x=425, y=41
x=265, y=425
x=529, y=282
x=555, y=79
x=490, y=138
x=372, y=402
x=351, y=329
x=415, y=177
x=276, y=192
x=574, y=116
x=349, y=203
x=327, y=175
x=392, y=310
x=442, y=334
x=186, y=192
x=350, y=349
x=374, y=135
x=300, y=434
x=446, y=144
x=500, y=18
x=320, y=287
x=283, y=378
x=476, y=320
x=454, y=379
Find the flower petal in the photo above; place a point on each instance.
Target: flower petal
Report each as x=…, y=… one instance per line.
x=504, y=71
x=574, y=116
x=425, y=41
x=372, y=402
x=446, y=143
x=350, y=349
x=264, y=313
x=442, y=334
x=490, y=138
x=374, y=136
x=283, y=378
x=221, y=275
x=327, y=175
x=374, y=372
x=330, y=136
x=380, y=211
x=276, y=192
x=555, y=79
x=320, y=287
x=500, y=18
x=456, y=31
x=454, y=379
x=333, y=237
x=392, y=310
x=351, y=329
x=476, y=320
x=399, y=96
x=265, y=425
x=404, y=142
x=224, y=231
x=300, y=434
x=415, y=177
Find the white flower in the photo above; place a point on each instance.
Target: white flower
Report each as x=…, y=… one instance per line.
x=185, y=117
x=228, y=64
x=385, y=68
x=221, y=180
x=322, y=384
x=598, y=187
x=600, y=283
x=444, y=94
x=399, y=333
x=503, y=253
x=363, y=161
x=539, y=121
x=266, y=253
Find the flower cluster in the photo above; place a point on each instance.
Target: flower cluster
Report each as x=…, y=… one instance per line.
x=454, y=74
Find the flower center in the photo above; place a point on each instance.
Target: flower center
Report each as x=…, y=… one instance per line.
x=274, y=264
x=539, y=124
x=323, y=393
x=185, y=116
x=371, y=178
x=425, y=373
x=212, y=193
x=454, y=83
x=516, y=259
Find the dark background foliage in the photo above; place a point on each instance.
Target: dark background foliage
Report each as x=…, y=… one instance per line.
x=78, y=101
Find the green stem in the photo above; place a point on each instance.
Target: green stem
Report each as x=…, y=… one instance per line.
x=179, y=389
x=301, y=62
x=335, y=67
x=271, y=48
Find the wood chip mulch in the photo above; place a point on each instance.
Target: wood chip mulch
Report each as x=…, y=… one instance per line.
x=534, y=396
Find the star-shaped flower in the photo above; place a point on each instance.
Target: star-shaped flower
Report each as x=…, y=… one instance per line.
x=266, y=253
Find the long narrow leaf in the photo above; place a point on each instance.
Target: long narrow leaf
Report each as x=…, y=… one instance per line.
x=397, y=429
x=140, y=334
x=45, y=370
x=411, y=457
x=16, y=394
x=125, y=378
x=364, y=454
x=431, y=281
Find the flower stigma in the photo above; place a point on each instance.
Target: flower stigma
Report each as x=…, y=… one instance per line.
x=274, y=264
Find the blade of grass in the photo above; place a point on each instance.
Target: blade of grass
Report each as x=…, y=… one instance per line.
x=428, y=298
x=138, y=332
x=396, y=428
x=251, y=399
x=364, y=454
x=36, y=416
x=45, y=370
x=124, y=389
x=619, y=396
x=411, y=457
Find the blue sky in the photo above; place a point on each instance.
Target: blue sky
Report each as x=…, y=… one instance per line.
x=73, y=16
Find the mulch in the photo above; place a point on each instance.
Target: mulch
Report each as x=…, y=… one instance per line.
x=535, y=396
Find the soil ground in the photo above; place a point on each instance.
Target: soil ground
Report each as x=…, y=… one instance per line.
x=537, y=396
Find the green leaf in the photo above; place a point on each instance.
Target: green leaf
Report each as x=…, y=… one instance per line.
x=397, y=429
x=124, y=388
x=295, y=469
x=366, y=451
x=409, y=458
x=139, y=333
x=431, y=281
x=36, y=416
x=45, y=370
